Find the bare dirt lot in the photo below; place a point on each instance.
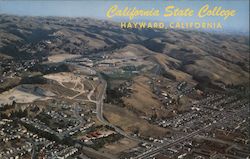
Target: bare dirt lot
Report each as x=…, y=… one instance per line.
x=69, y=81
x=119, y=146
x=61, y=57
x=25, y=94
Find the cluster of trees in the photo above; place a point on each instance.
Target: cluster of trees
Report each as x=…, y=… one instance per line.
x=19, y=113
x=16, y=113
x=99, y=143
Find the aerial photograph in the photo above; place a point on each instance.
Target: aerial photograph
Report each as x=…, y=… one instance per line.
x=124, y=79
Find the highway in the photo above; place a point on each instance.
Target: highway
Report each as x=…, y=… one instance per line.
x=153, y=152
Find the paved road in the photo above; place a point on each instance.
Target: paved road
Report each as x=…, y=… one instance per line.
x=99, y=108
x=151, y=153
x=99, y=113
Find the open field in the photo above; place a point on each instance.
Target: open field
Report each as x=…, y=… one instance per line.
x=132, y=51
x=142, y=99
x=132, y=123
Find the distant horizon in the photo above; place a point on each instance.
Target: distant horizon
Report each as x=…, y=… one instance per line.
x=97, y=10
x=226, y=32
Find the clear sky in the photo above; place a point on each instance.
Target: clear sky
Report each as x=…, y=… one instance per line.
x=98, y=9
